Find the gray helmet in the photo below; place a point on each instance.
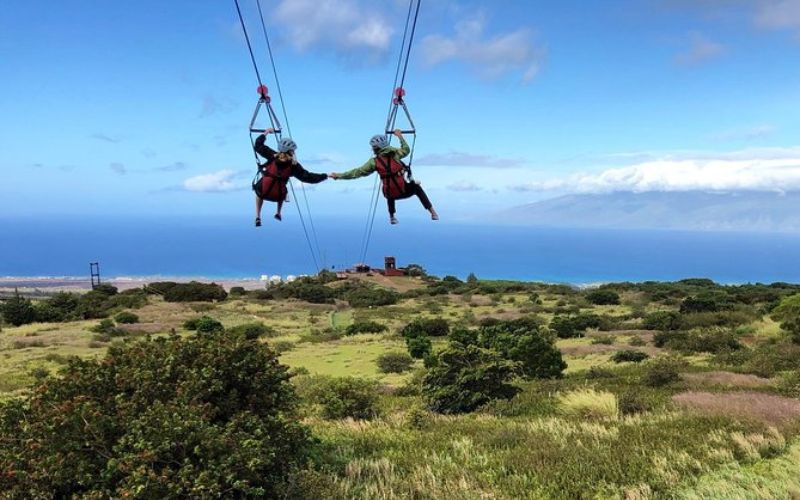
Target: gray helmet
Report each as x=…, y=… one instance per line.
x=286, y=145
x=379, y=141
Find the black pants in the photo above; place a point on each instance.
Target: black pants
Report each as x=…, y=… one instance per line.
x=412, y=189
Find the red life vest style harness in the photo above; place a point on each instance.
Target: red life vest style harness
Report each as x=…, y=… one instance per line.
x=391, y=171
x=272, y=184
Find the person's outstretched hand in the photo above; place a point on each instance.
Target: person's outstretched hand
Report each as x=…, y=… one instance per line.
x=398, y=133
x=269, y=131
x=333, y=175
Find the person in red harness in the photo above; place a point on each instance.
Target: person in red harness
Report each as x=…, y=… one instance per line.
x=275, y=173
x=386, y=161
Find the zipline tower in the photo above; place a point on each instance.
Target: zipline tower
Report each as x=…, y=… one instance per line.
x=94, y=270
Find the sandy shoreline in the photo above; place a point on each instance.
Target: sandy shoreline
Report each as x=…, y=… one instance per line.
x=67, y=283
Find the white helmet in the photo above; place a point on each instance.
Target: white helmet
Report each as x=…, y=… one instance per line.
x=286, y=145
x=379, y=141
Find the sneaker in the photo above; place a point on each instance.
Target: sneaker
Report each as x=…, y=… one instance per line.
x=258, y=221
x=392, y=220
x=434, y=215
x=278, y=217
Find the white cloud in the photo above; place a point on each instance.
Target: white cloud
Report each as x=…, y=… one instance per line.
x=215, y=182
x=464, y=187
x=700, y=50
x=459, y=159
x=492, y=56
x=345, y=25
x=778, y=14
x=118, y=168
x=755, y=174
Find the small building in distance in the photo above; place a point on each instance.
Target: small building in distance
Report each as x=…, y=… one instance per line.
x=389, y=269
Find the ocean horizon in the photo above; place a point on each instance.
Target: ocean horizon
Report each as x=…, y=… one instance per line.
x=224, y=247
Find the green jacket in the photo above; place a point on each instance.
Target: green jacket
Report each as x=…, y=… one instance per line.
x=369, y=166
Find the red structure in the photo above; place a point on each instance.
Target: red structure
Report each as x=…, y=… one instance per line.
x=391, y=269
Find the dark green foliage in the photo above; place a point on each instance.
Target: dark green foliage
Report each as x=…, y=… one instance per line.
x=661, y=372
x=105, y=326
x=18, y=310
x=106, y=289
x=325, y=335
x=237, y=291
x=603, y=340
x=603, y=297
x=419, y=347
x=134, y=298
x=788, y=313
x=195, y=292
x=534, y=299
x=711, y=340
x=206, y=324
x=566, y=327
x=767, y=359
x=629, y=355
x=523, y=341
x=326, y=276
x=348, y=397
x=208, y=416
x=365, y=327
x=437, y=327
x=252, y=330
x=394, y=362
x=464, y=336
x=708, y=302
x=372, y=297
x=472, y=279
x=632, y=403
x=467, y=377
x=662, y=320
x=46, y=313
x=415, y=270
x=159, y=287
x=126, y=318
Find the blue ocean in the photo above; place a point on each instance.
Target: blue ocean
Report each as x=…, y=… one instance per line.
x=229, y=247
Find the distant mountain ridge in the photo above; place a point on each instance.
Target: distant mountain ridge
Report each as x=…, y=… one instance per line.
x=686, y=210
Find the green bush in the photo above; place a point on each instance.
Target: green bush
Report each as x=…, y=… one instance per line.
x=18, y=310
x=419, y=347
x=365, y=327
x=394, y=362
x=135, y=298
x=207, y=416
x=467, y=377
x=437, y=327
x=603, y=340
x=632, y=403
x=207, y=324
x=662, y=320
x=237, y=291
x=629, y=355
x=126, y=318
x=372, y=297
x=46, y=313
x=766, y=359
x=195, y=292
x=524, y=342
x=253, y=330
x=103, y=327
x=348, y=397
x=603, y=297
x=159, y=287
x=661, y=372
x=566, y=327
x=788, y=314
x=710, y=340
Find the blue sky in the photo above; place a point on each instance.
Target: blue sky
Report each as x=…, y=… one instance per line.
x=142, y=107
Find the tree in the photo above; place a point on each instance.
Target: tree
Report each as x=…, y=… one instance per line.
x=435, y=327
x=603, y=297
x=467, y=377
x=415, y=270
x=523, y=341
x=472, y=279
x=210, y=415
x=663, y=320
x=788, y=313
x=419, y=347
x=18, y=310
x=394, y=362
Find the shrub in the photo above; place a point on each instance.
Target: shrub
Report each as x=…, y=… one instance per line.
x=253, y=330
x=126, y=318
x=18, y=310
x=159, y=287
x=661, y=371
x=603, y=340
x=46, y=313
x=237, y=291
x=135, y=298
x=603, y=297
x=103, y=327
x=588, y=404
x=209, y=415
x=632, y=403
x=464, y=336
x=765, y=360
x=348, y=397
x=419, y=347
x=637, y=342
x=567, y=327
x=704, y=303
x=711, y=340
x=195, y=292
x=523, y=341
x=207, y=324
x=369, y=297
x=467, y=377
x=365, y=327
x=788, y=313
x=437, y=327
x=326, y=335
x=629, y=355
x=394, y=362
x=662, y=320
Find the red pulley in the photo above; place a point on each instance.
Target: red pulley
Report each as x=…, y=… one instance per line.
x=399, y=92
x=263, y=91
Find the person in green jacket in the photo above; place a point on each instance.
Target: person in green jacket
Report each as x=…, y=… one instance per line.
x=386, y=161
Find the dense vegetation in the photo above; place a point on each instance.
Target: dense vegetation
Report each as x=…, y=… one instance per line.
x=422, y=388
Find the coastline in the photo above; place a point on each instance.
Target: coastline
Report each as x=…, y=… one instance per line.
x=80, y=283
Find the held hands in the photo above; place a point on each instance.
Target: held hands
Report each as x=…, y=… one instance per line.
x=268, y=131
x=398, y=133
x=333, y=175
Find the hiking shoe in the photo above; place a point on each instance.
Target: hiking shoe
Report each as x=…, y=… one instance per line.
x=392, y=220
x=258, y=221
